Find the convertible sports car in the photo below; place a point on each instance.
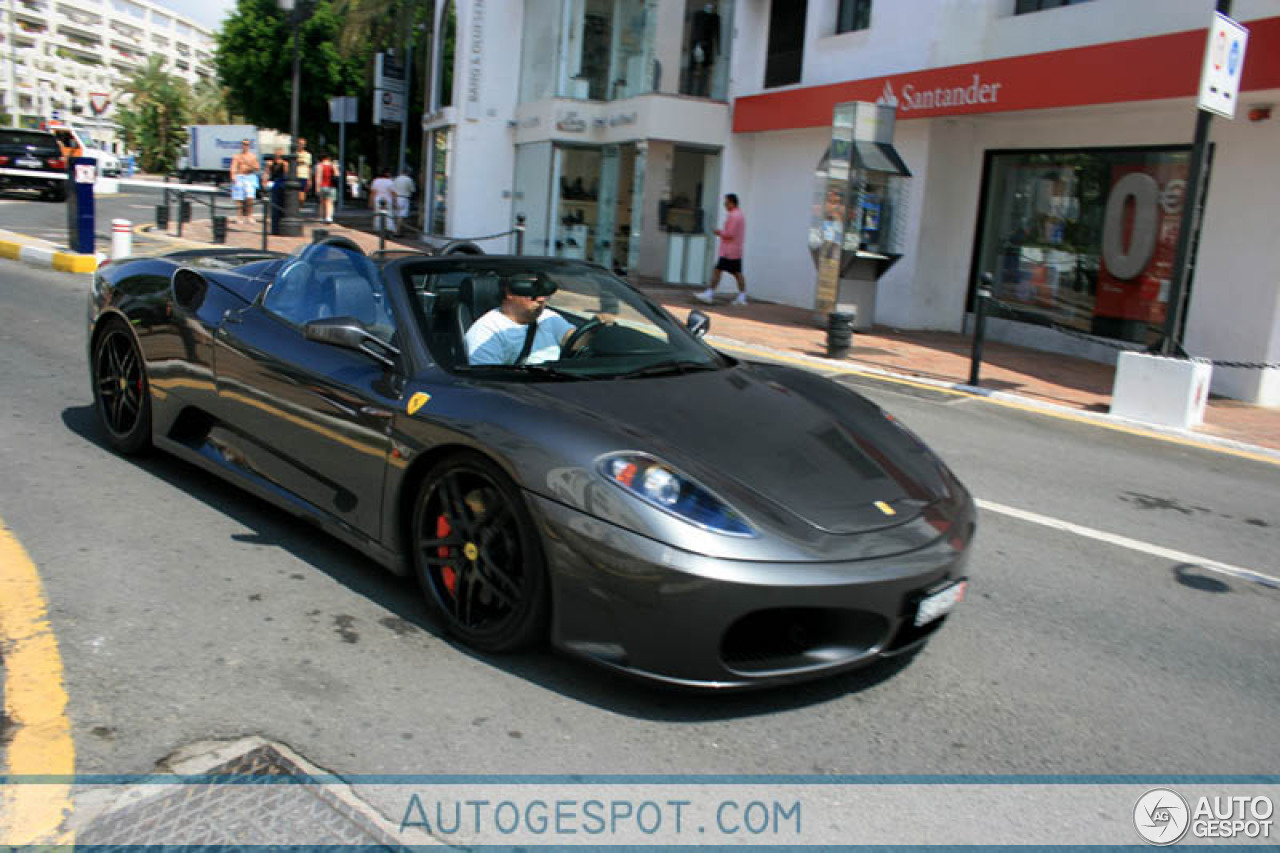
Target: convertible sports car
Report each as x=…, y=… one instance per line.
x=638, y=498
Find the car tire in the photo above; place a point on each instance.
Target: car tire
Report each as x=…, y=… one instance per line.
x=121, y=393
x=477, y=555
x=55, y=194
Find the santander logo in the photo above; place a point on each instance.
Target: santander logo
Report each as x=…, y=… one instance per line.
x=940, y=97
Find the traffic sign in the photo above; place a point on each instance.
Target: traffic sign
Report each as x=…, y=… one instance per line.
x=1223, y=66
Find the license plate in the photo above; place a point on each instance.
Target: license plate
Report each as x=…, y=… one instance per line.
x=29, y=162
x=938, y=604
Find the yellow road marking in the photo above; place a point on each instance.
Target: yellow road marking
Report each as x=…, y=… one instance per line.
x=1012, y=404
x=35, y=703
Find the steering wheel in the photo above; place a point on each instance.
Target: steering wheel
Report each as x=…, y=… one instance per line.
x=573, y=346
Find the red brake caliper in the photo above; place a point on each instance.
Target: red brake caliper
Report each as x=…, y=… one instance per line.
x=449, y=573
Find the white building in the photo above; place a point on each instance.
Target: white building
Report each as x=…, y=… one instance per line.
x=73, y=56
x=616, y=125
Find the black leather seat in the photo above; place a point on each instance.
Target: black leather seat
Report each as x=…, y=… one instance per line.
x=477, y=296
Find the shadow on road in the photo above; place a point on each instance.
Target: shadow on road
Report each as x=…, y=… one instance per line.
x=571, y=678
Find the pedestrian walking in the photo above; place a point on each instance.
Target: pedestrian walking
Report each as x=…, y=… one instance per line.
x=277, y=174
x=326, y=187
x=382, y=196
x=730, y=260
x=244, y=180
x=304, y=170
x=404, y=189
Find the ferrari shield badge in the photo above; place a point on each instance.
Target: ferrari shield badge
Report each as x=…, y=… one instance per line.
x=417, y=401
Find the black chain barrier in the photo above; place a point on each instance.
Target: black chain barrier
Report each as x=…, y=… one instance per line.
x=994, y=307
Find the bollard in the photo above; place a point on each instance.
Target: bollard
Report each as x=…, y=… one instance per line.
x=121, y=238
x=186, y=210
x=162, y=216
x=382, y=214
x=979, y=327
x=519, y=233
x=840, y=333
x=319, y=234
x=219, y=229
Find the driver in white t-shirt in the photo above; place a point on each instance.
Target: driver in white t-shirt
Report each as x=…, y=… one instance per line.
x=499, y=336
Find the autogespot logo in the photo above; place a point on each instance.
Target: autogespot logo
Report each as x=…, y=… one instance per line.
x=1161, y=816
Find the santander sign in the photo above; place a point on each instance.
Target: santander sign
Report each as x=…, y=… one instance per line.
x=941, y=97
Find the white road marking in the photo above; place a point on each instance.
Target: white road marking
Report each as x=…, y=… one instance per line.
x=1237, y=572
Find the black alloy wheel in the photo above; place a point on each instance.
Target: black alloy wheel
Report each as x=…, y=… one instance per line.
x=477, y=555
x=120, y=392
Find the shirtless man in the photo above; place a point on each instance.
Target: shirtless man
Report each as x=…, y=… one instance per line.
x=244, y=180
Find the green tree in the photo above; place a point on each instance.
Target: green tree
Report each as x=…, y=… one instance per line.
x=255, y=62
x=154, y=114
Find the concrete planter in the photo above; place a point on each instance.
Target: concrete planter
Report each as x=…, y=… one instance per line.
x=1158, y=390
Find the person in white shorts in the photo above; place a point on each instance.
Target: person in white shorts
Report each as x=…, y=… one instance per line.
x=244, y=179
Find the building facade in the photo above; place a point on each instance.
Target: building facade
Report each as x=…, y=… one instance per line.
x=602, y=122
x=1049, y=144
x=72, y=57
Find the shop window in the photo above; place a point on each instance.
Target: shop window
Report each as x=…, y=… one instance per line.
x=784, y=61
x=1025, y=6
x=609, y=46
x=448, y=51
x=1085, y=239
x=704, y=63
x=853, y=15
x=439, y=141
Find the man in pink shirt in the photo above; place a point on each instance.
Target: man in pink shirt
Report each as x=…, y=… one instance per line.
x=735, y=227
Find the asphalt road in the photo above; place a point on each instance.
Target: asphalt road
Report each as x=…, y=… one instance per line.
x=186, y=610
x=22, y=211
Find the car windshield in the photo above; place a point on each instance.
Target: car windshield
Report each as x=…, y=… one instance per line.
x=597, y=326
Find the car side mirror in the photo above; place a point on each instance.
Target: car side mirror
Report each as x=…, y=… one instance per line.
x=350, y=333
x=698, y=323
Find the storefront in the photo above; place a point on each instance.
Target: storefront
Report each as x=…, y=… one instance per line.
x=1065, y=181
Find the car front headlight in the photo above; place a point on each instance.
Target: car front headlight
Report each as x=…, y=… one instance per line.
x=660, y=485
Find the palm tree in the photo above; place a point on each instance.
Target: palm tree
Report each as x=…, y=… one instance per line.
x=154, y=115
x=209, y=103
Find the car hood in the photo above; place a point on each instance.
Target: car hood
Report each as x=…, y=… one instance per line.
x=772, y=440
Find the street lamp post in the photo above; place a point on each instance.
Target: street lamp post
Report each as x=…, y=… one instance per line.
x=291, y=220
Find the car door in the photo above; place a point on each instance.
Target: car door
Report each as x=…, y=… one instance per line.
x=313, y=418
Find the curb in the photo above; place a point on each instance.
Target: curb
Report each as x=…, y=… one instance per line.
x=49, y=257
x=1015, y=401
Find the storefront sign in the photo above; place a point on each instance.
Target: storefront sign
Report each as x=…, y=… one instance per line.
x=914, y=99
x=475, y=56
x=1096, y=74
x=570, y=122
x=1223, y=66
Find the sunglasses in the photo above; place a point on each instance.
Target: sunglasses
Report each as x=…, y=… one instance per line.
x=531, y=286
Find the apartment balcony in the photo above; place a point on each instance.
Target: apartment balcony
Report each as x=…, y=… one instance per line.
x=78, y=29
x=37, y=9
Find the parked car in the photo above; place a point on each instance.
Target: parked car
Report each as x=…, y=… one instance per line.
x=37, y=153
x=632, y=495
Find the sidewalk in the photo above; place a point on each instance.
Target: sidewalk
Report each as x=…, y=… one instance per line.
x=1065, y=383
